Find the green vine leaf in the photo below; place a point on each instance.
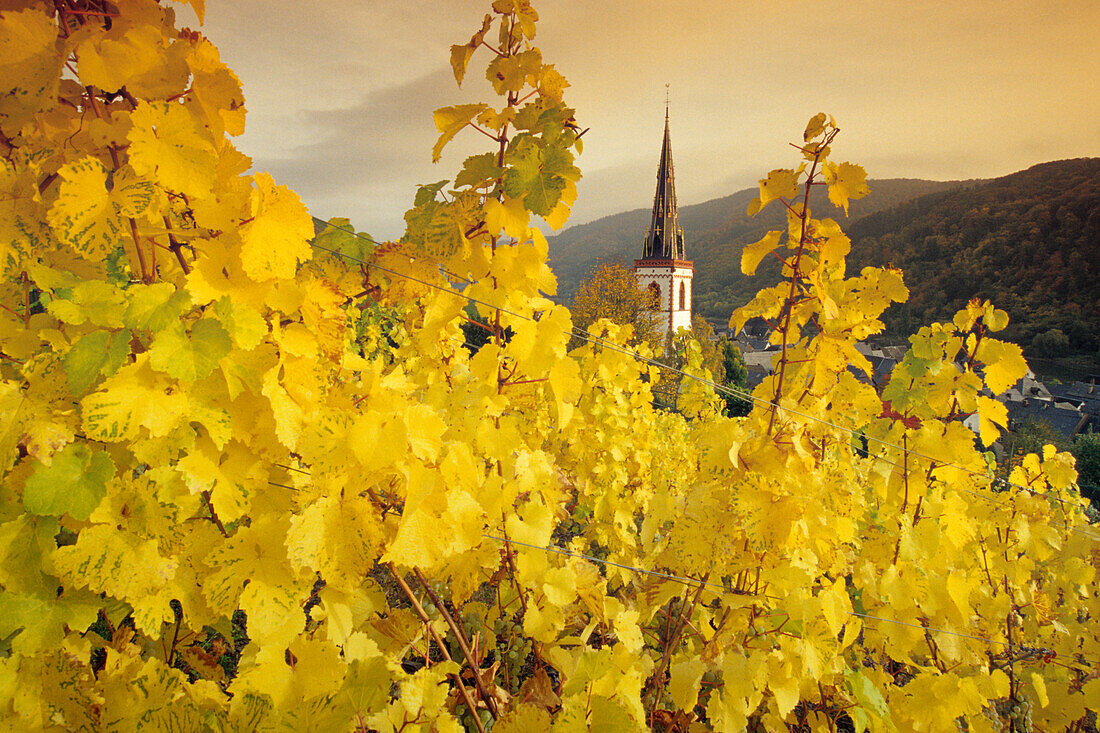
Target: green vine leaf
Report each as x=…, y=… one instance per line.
x=73, y=483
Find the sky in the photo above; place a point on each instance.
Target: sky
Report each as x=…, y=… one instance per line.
x=340, y=94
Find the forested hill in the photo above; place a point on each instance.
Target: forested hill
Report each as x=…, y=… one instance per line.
x=1029, y=241
x=715, y=233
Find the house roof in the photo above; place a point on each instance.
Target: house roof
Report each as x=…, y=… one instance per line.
x=1065, y=422
x=1079, y=394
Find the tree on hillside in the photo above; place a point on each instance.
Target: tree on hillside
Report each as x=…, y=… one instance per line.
x=611, y=291
x=676, y=356
x=1051, y=343
x=1029, y=436
x=736, y=376
x=718, y=356
x=1086, y=449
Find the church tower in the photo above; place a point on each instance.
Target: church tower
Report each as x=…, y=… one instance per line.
x=664, y=267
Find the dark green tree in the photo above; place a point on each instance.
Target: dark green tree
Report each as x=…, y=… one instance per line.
x=1029, y=436
x=736, y=377
x=1050, y=343
x=1086, y=449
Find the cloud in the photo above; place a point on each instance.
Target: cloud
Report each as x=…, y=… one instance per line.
x=364, y=161
x=955, y=91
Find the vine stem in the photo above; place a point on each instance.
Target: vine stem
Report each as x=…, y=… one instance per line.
x=175, y=637
x=490, y=703
x=672, y=641
x=788, y=307
x=509, y=559
x=147, y=275
x=442, y=647
x=213, y=514
x=26, y=300
x=176, y=247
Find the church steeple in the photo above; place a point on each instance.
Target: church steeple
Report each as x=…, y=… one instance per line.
x=664, y=269
x=665, y=238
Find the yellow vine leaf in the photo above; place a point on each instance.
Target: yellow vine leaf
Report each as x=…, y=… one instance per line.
x=1058, y=467
x=315, y=666
x=991, y=414
x=24, y=543
x=460, y=55
x=218, y=273
x=122, y=565
x=22, y=230
x=251, y=570
x=780, y=183
x=73, y=483
x=289, y=415
x=199, y=6
x=1002, y=364
x=814, y=127
x=323, y=313
x=169, y=145
x=134, y=55
x=40, y=619
x=684, y=685
x=419, y=543
x=449, y=120
x=783, y=681
x=561, y=211
x=97, y=353
x=231, y=475
x=29, y=66
x=91, y=301
x=339, y=537
x=511, y=73
x=494, y=120
x=754, y=253
x=836, y=246
x=565, y=382
x=277, y=237
x=154, y=307
x=215, y=89
x=128, y=681
x=133, y=399
x=551, y=84
x=1040, y=688
x=243, y=323
x=508, y=216
x=90, y=216
x=835, y=606
x=189, y=355
x=997, y=320
x=846, y=181
x=524, y=718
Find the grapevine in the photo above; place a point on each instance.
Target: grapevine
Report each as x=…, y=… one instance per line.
x=256, y=477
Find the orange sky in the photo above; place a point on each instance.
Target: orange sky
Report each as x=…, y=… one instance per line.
x=340, y=94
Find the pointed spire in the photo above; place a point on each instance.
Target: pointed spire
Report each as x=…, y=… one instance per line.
x=665, y=238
